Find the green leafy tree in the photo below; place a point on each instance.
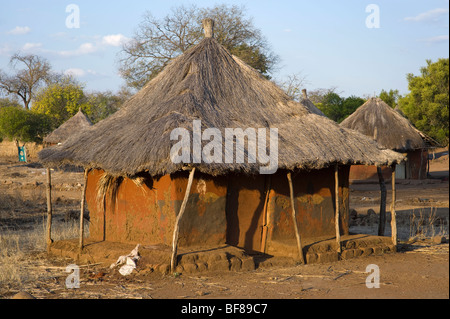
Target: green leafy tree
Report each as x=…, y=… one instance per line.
x=427, y=103
x=391, y=98
x=19, y=125
x=103, y=104
x=61, y=101
x=349, y=105
x=336, y=107
x=331, y=106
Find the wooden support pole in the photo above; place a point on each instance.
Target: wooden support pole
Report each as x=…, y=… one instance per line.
x=421, y=163
x=173, y=262
x=393, y=213
x=382, y=222
x=49, y=210
x=294, y=219
x=265, y=217
x=337, y=214
x=83, y=195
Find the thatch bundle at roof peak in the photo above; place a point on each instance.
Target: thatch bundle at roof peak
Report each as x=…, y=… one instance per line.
x=389, y=128
x=207, y=83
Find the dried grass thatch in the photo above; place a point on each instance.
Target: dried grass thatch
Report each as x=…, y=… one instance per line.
x=388, y=127
x=72, y=126
x=210, y=84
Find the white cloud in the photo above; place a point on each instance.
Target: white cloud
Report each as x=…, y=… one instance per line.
x=431, y=15
x=437, y=39
x=19, y=30
x=79, y=72
x=75, y=72
x=115, y=39
x=31, y=46
x=84, y=48
x=287, y=30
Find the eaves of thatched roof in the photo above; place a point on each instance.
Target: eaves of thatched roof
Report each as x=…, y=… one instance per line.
x=207, y=83
x=72, y=126
x=388, y=127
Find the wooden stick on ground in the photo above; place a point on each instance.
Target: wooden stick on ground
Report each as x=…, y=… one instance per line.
x=393, y=213
x=382, y=223
x=173, y=262
x=83, y=193
x=337, y=214
x=49, y=210
x=294, y=219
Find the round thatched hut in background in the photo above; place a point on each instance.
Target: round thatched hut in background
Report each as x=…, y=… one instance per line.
x=135, y=189
x=70, y=127
x=393, y=131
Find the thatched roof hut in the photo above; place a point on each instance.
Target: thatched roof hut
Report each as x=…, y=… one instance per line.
x=392, y=130
x=388, y=127
x=72, y=126
x=229, y=202
x=210, y=84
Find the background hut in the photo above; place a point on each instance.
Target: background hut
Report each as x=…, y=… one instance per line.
x=134, y=190
x=391, y=130
x=70, y=127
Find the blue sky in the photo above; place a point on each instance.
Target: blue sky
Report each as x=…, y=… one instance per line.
x=327, y=42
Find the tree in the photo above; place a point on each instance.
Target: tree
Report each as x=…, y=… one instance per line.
x=317, y=96
x=338, y=108
x=21, y=125
x=293, y=85
x=331, y=106
x=349, y=106
x=25, y=81
x=427, y=103
x=157, y=41
x=5, y=102
x=391, y=98
x=103, y=104
x=61, y=101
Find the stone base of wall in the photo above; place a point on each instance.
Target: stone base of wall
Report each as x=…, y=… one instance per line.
x=223, y=258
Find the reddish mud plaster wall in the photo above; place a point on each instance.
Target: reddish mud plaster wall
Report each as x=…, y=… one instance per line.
x=146, y=214
x=314, y=194
x=233, y=209
x=415, y=166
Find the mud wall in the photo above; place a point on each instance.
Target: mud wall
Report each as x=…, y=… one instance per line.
x=369, y=172
x=146, y=214
x=415, y=166
x=253, y=213
x=314, y=194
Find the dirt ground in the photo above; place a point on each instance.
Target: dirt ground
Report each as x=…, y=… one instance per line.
x=418, y=270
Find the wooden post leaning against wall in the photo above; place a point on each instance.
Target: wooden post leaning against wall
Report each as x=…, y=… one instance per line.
x=265, y=217
x=83, y=200
x=393, y=213
x=173, y=261
x=294, y=220
x=382, y=221
x=337, y=214
x=49, y=239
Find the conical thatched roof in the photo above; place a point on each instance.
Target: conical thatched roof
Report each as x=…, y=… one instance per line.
x=72, y=126
x=207, y=83
x=388, y=127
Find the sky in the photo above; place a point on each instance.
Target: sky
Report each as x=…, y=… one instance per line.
x=359, y=47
